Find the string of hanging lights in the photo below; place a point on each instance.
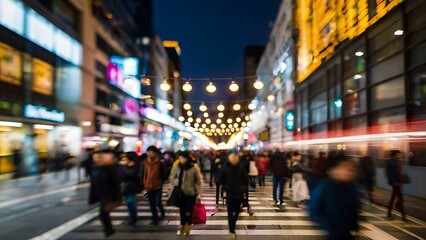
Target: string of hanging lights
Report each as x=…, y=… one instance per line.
x=211, y=87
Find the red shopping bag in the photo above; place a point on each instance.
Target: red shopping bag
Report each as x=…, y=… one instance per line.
x=199, y=214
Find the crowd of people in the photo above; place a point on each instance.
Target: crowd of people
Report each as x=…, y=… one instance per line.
x=328, y=186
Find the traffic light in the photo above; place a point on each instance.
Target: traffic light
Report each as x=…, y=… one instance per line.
x=289, y=121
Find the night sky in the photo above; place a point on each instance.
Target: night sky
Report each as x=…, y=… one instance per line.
x=213, y=34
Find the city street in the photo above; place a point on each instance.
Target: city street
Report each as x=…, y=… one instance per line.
x=53, y=209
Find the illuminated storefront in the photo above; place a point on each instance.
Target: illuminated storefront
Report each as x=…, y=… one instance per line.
x=40, y=78
x=361, y=83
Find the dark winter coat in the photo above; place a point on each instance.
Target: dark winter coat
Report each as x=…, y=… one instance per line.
x=234, y=180
x=105, y=185
x=334, y=207
x=131, y=179
x=393, y=171
x=278, y=165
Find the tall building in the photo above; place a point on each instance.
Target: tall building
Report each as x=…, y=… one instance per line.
x=70, y=78
x=275, y=100
x=41, y=73
x=360, y=81
x=176, y=95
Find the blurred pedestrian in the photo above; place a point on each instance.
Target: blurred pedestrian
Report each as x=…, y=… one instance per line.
x=234, y=179
x=367, y=175
x=87, y=164
x=316, y=170
x=217, y=167
x=131, y=184
x=262, y=167
x=105, y=188
x=280, y=170
x=299, y=184
x=154, y=175
x=335, y=202
x=188, y=178
x=17, y=161
x=395, y=180
x=253, y=172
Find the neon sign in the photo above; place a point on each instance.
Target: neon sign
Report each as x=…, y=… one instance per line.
x=38, y=112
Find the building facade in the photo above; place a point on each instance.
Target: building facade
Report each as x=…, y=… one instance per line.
x=275, y=99
x=361, y=71
x=41, y=68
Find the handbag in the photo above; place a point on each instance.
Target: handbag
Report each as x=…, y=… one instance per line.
x=175, y=197
x=199, y=214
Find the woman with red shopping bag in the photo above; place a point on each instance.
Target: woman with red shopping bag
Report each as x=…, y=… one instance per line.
x=186, y=176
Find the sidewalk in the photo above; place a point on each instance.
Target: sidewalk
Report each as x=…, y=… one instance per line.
x=415, y=207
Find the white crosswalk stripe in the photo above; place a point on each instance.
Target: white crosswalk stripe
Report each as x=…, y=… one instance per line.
x=268, y=220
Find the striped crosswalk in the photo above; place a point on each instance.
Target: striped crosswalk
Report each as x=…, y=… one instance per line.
x=269, y=220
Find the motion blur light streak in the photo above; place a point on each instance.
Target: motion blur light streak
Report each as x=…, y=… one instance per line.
x=358, y=138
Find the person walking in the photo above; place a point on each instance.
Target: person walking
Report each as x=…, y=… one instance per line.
x=335, y=202
x=279, y=169
x=396, y=180
x=215, y=175
x=299, y=184
x=367, y=175
x=131, y=184
x=105, y=187
x=234, y=180
x=253, y=172
x=188, y=178
x=262, y=166
x=154, y=174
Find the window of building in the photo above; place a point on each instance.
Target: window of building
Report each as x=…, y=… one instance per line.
x=10, y=65
x=354, y=104
x=354, y=83
x=387, y=51
x=386, y=36
x=334, y=102
x=355, y=122
x=354, y=60
x=417, y=37
x=371, y=8
x=68, y=13
x=319, y=115
x=390, y=68
x=394, y=115
x=418, y=83
x=417, y=55
x=416, y=18
x=319, y=128
x=103, y=45
x=102, y=98
x=42, y=77
x=317, y=86
x=319, y=101
x=388, y=94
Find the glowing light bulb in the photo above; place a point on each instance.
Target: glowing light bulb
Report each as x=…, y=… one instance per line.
x=165, y=86
x=258, y=84
x=170, y=106
x=211, y=88
x=203, y=107
x=233, y=87
x=187, y=87
x=221, y=107
x=236, y=107
x=187, y=106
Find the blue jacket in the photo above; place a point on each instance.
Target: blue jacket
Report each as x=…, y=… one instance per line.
x=334, y=207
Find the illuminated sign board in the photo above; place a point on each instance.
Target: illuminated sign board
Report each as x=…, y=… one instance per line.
x=331, y=22
x=26, y=22
x=162, y=118
x=38, y=112
x=121, y=72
